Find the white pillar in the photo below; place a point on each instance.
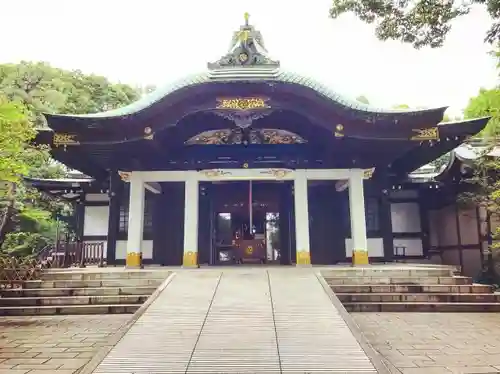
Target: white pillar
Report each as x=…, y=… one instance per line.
x=135, y=222
x=301, y=218
x=358, y=218
x=191, y=197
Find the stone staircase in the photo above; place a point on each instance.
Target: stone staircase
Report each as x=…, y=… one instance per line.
x=410, y=289
x=75, y=291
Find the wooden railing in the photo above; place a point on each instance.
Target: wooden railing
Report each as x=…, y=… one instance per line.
x=74, y=254
x=14, y=271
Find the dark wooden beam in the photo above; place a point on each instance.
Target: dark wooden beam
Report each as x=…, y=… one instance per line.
x=115, y=198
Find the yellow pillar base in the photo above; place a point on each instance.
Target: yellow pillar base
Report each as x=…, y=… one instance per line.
x=190, y=259
x=303, y=258
x=134, y=260
x=360, y=257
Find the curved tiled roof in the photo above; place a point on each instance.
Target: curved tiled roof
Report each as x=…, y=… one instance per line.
x=245, y=74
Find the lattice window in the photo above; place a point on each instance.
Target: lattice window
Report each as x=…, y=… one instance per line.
x=148, y=214
x=372, y=211
x=372, y=207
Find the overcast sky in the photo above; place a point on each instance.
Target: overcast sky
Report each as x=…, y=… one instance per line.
x=154, y=42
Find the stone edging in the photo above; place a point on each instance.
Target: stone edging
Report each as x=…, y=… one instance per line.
x=381, y=365
x=118, y=335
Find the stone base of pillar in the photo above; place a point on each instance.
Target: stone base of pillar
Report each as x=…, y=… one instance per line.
x=303, y=258
x=190, y=259
x=134, y=260
x=360, y=257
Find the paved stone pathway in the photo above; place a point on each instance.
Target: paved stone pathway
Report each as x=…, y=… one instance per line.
x=239, y=321
x=53, y=344
x=435, y=342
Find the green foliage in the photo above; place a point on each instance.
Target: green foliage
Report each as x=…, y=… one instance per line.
x=486, y=103
x=43, y=88
x=15, y=132
x=484, y=191
x=363, y=99
x=420, y=22
x=27, y=217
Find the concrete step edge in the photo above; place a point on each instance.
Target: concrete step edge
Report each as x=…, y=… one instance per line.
x=70, y=297
x=411, y=294
x=82, y=306
x=55, y=289
x=349, y=303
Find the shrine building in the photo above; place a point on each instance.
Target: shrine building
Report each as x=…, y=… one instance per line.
x=247, y=162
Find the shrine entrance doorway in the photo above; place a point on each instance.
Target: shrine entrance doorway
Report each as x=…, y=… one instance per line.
x=246, y=222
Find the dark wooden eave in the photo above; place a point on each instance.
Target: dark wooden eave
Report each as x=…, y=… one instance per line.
x=452, y=134
x=128, y=123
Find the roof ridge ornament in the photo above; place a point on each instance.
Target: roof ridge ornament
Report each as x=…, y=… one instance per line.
x=246, y=50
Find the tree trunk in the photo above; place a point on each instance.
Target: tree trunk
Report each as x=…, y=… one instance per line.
x=8, y=213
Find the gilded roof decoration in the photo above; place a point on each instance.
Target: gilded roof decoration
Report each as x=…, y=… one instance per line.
x=214, y=173
x=277, y=173
x=246, y=49
x=431, y=133
x=252, y=136
x=242, y=103
x=64, y=139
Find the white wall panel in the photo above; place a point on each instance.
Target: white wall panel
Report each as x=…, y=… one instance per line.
x=408, y=246
x=405, y=217
x=96, y=220
x=121, y=249
x=375, y=247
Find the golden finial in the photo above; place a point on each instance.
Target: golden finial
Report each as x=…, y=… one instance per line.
x=247, y=17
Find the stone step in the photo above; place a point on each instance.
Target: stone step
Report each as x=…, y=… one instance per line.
x=414, y=288
x=422, y=307
x=332, y=281
x=73, y=300
x=59, y=292
x=131, y=282
x=387, y=272
x=419, y=297
x=68, y=309
x=111, y=275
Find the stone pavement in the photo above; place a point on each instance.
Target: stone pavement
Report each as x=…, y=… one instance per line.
x=53, y=344
x=435, y=342
x=240, y=321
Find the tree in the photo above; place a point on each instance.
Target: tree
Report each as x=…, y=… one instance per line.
x=483, y=187
x=420, y=22
x=483, y=191
x=486, y=103
x=27, y=217
x=363, y=99
x=43, y=88
x=15, y=133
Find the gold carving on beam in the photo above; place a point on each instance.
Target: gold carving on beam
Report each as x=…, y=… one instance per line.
x=125, y=175
x=368, y=173
x=339, y=131
x=64, y=139
x=215, y=173
x=431, y=133
x=242, y=103
x=277, y=173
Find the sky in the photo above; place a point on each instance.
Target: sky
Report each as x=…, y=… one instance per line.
x=157, y=42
